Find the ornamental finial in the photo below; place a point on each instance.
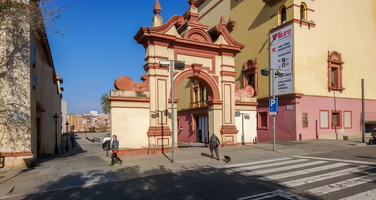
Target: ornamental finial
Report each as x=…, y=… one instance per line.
x=157, y=8
x=192, y=3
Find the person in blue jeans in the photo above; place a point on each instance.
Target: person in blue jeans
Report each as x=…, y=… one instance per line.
x=115, y=149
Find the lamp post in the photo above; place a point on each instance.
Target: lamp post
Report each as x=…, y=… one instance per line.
x=275, y=72
x=67, y=125
x=56, y=119
x=179, y=65
x=72, y=128
x=72, y=136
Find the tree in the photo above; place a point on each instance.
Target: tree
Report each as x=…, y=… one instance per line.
x=19, y=21
x=88, y=118
x=22, y=23
x=106, y=107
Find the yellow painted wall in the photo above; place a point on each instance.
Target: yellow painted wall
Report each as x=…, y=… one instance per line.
x=345, y=26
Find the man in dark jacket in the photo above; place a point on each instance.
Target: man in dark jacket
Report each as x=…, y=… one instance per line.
x=214, y=143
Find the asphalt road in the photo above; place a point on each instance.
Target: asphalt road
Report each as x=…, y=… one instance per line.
x=331, y=175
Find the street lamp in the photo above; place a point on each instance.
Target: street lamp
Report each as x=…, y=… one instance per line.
x=72, y=128
x=276, y=72
x=72, y=136
x=179, y=65
x=67, y=125
x=56, y=119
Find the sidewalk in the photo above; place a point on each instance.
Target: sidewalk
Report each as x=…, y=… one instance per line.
x=87, y=165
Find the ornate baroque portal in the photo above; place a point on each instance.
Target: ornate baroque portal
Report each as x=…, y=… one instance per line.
x=141, y=112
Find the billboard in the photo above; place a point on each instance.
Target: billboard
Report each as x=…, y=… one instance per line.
x=281, y=57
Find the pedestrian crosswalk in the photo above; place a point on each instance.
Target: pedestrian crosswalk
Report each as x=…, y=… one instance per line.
x=322, y=177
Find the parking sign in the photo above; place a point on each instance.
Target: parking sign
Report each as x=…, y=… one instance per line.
x=273, y=105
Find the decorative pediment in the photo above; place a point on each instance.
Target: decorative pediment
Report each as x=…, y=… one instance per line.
x=222, y=29
x=176, y=20
x=334, y=56
x=198, y=35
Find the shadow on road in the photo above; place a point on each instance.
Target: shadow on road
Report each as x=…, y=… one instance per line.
x=158, y=183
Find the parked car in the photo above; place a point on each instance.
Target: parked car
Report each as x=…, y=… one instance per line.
x=106, y=143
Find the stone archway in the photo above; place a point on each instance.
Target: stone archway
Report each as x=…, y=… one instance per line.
x=141, y=112
x=206, y=79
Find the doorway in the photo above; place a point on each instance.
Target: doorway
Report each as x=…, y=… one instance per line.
x=202, y=129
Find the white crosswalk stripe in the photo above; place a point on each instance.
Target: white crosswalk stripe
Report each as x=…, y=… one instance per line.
x=325, y=176
x=303, y=170
x=282, y=168
x=343, y=184
x=265, y=165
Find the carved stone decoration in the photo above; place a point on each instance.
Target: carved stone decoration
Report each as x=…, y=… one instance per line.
x=247, y=91
x=196, y=69
x=126, y=83
x=250, y=68
x=197, y=37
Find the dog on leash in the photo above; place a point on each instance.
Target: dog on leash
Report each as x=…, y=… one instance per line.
x=227, y=159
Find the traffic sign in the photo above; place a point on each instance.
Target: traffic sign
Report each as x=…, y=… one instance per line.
x=273, y=105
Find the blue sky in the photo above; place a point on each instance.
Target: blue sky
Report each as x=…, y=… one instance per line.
x=98, y=46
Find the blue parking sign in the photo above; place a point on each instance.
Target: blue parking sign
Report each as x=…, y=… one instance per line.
x=273, y=105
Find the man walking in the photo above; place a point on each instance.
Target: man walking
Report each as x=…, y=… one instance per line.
x=115, y=149
x=214, y=143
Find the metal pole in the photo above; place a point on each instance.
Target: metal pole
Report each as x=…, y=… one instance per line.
x=273, y=75
x=55, y=120
x=172, y=111
x=56, y=150
x=363, y=114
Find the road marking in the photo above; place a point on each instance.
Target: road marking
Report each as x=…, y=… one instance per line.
x=254, y=163
x=266, y=165
x=282, y=168
x=337, y=160
x=329, y=175
x=302, y=172
x=343, y=184
x=362, y=196
x=276, y=193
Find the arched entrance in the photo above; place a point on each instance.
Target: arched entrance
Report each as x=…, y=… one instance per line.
x=141, y=112
x=193, y=112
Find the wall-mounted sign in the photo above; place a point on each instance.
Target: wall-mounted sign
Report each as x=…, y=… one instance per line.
x=18, y=116
x=281, y=55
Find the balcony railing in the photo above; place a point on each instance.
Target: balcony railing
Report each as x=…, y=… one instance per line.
x=198, y=104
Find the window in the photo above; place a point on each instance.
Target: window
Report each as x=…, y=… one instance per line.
x=249, y=74
x=282, y=15
x=262, y=120
x=335, y=65
x=305, y=120
x=347, y=119
x=324, y=119
x=34, y=55
x=336, y=119
x=303, y=12
x=199, y=94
